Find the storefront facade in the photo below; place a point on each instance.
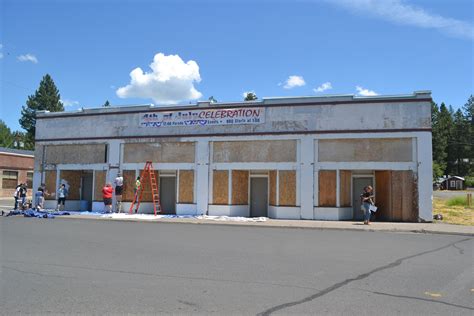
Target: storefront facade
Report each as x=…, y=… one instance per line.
x=292, y=158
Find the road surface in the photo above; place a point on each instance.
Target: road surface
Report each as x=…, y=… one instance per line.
x=96, y=267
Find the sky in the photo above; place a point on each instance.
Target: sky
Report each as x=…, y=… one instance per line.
x=177, y=52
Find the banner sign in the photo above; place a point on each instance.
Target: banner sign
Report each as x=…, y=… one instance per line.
x=204, y=117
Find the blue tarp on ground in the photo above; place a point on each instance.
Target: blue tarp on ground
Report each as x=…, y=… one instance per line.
x=38, y=214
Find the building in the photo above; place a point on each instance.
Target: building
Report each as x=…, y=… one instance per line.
x=16, y=166
x=292, y=158
x=452, y=183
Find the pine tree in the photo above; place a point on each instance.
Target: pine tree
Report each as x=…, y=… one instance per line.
x=106, y=104
x=250, y=96
x=46, y=98
x=458, y=144
x=468, y=109
x=6, y=136
x=443, y=128
x=439, y=147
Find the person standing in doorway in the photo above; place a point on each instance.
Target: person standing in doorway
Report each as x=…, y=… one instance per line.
x=138, y=186
x=107, y=192
x=367, y=200
x=118, y=192
x=62, y=195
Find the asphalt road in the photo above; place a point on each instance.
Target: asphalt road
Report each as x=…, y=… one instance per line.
x=98, y=267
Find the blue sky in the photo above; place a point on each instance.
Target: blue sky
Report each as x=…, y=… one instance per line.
x=225, y=48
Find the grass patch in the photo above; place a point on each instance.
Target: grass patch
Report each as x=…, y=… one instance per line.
x=454, y=210
x=457, y=201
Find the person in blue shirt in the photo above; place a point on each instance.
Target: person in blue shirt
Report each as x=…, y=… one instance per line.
x=39, y=198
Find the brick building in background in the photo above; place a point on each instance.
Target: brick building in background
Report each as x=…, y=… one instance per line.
x=16, y=166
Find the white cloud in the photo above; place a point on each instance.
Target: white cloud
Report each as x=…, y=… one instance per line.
x=170, y=81
x=28, y=57
x=325, y=86
x=398, y=11
x=294, y=81
x=365, y=92
x=68, y=103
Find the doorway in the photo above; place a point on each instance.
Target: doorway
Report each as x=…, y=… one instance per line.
x=168, y=195
x=87, y=177
x=258, y=197
x=358, y=185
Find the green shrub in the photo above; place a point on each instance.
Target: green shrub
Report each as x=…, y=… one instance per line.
x=469, y=182
x=457, y=201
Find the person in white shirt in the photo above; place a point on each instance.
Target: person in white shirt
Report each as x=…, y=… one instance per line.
x=118, y=182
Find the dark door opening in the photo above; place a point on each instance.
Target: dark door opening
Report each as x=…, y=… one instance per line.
x=87, y=177
x=358, y=185
x=258, y=197
x=168, y=195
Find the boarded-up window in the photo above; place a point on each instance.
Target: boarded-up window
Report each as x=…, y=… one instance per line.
x=287, y=188
x=240, y=187
x=186, y=186
x=396, y=195
x=383, y=190
x=146, y=195
x=159, y=152
x=273, y=183
x=50, y=183
x=327, y=188
x=72, y=179
x=81, y=154
x=255, y=151
x=128, y=185
x=99, y=182
x=345, y=187
x=373, y=149
x=9, y=179
x=220, y=187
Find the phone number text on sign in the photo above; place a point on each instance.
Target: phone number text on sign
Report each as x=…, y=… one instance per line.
x=203, y=117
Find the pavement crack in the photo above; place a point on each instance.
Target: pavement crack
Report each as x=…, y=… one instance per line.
x=167, y=275
x=37, y=273
x=357, y=278
x=423, y=299
x=461, y=251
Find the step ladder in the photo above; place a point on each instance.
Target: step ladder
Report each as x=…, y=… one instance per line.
x=149, y=172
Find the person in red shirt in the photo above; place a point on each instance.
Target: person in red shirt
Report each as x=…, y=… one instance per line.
x=107, y=195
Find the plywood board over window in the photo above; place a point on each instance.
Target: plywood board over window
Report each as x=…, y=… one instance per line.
x=272, y=175
x=383, y=191
x=99, y=182
x=84, y=153
x=287, y=188
x=146, y=187
x=345, y=179
x=50, y=183
x=73, y=179
x=186, y=186
x=128, y=185
x=220, y=187
x=327, y=188
x=240, y=187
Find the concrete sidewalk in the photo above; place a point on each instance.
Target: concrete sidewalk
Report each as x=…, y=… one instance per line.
x=430, y=228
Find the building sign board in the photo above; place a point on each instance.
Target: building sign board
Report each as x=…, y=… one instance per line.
x=203, y=117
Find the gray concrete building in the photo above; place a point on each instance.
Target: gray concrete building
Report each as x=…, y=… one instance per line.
x=292, y=158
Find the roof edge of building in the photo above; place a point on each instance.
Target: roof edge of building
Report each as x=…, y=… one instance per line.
x=421, y=95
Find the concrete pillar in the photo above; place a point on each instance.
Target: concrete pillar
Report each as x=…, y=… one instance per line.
x=114, y=161
x=202, y=176
x=306, y=177
x=425, y=176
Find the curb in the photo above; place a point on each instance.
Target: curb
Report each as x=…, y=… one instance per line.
x=271, y=225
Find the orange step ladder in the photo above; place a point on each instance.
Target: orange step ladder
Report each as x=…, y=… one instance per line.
x=150, y=172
